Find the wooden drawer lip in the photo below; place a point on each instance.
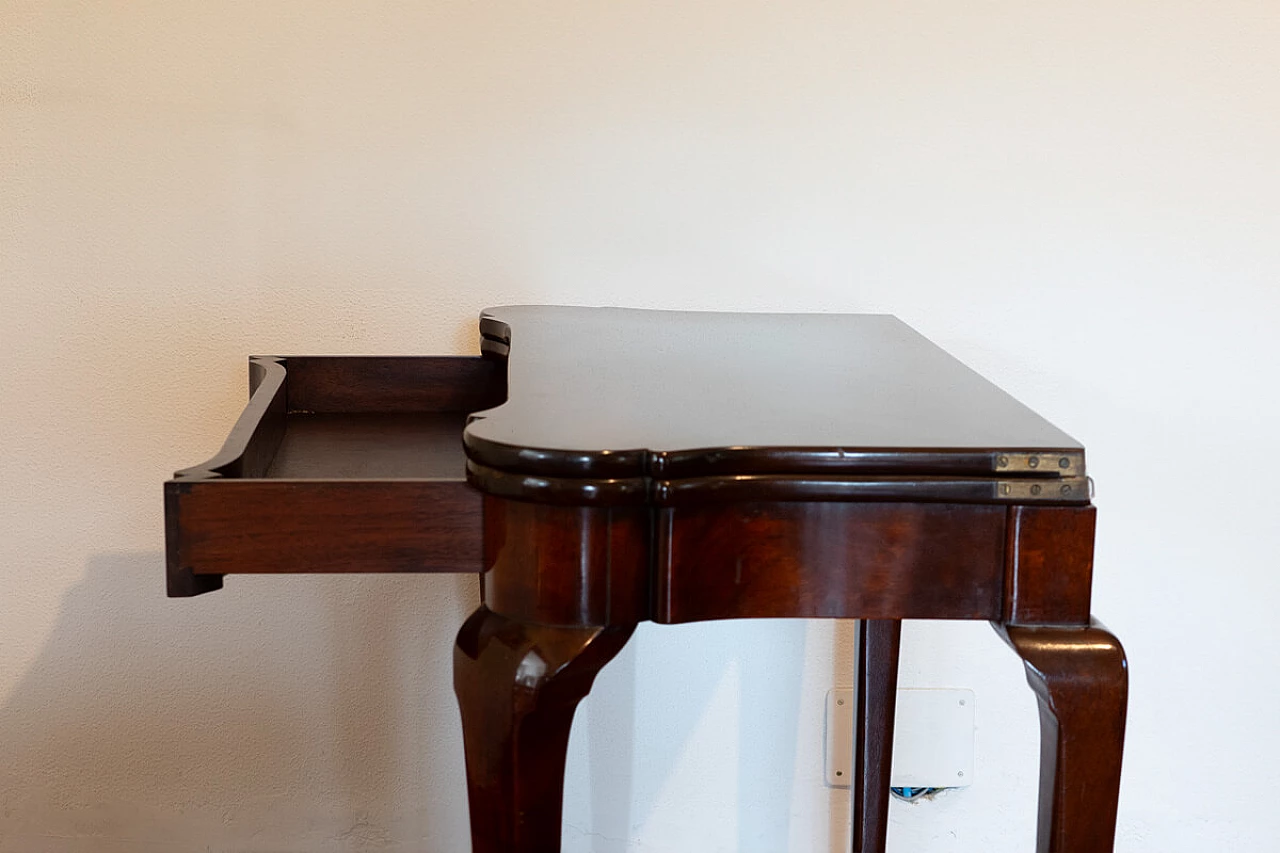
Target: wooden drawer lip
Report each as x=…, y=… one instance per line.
x=387, y=384
x=258, y=430
x=229, y=514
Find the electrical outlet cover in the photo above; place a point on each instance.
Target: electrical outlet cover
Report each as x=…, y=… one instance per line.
x=932, y=738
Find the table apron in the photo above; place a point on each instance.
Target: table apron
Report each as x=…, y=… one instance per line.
x=830, y=560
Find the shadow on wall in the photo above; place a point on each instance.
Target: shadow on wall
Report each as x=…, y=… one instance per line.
x=280, y=713
x=317, y=714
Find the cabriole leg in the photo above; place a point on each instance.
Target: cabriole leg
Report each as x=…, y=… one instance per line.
x=1080, y=678
x=518, y=685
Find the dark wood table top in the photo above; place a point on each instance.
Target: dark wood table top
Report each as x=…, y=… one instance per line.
x=618, y=394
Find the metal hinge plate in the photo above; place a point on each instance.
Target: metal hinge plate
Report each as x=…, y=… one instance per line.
x=1068, y=489
x=1069, y=464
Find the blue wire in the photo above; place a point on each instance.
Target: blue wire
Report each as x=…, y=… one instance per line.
x=913, y=794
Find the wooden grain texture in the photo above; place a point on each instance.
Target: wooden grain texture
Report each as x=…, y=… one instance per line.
x=566, y=565
x=368, y=475
x=387, y=384
x=292, y=526
x=1049, y=572
x=181, y=580
x=518, y=686
x=879, y=641
x=842, y=560
x=1081, y=680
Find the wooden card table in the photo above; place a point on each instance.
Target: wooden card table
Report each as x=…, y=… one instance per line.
x=602, y=467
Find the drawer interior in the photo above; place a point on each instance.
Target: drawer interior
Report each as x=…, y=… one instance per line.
x=366, y=445
x=337, y=464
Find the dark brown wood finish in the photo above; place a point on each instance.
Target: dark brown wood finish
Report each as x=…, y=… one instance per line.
x=338, y=464
x=554, y=565
x=679, y=467
x=518, y=686
x=858, y=487
x=564, y=589
x=829, y=560
x=877, y=659
x=1081, y=679
x=252, y=442
x=181, y=580
x=247, y=452
x=1049, y=573
x=615, y=393
x=565, y=491
x=299, y=526
x=799, y=466
x=386, y=384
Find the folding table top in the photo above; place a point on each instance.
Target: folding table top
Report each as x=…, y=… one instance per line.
x=814, y=403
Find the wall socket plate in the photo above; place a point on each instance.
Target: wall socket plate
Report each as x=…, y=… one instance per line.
x=932, y=738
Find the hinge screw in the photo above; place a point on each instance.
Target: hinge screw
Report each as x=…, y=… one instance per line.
x=1004, y=461
x=1033, y=462
x=1064, y=462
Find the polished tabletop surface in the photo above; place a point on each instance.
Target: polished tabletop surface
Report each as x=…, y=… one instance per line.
x=626, y=392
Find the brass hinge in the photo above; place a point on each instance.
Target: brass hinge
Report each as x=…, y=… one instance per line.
x=1069, y=464
x=1067, y=489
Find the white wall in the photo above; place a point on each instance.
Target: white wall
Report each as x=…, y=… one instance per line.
x=1080, y=200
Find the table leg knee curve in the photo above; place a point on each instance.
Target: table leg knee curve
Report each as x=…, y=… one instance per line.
x=1080, y=677
x=518, y=685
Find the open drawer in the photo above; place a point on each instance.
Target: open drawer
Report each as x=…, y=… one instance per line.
x=338, y=464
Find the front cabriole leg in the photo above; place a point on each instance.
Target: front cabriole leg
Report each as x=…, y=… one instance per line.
x=518, y=686
x=563, y=591
x=1081, y=680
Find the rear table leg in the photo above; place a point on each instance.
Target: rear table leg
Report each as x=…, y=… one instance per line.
x=877, y=655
